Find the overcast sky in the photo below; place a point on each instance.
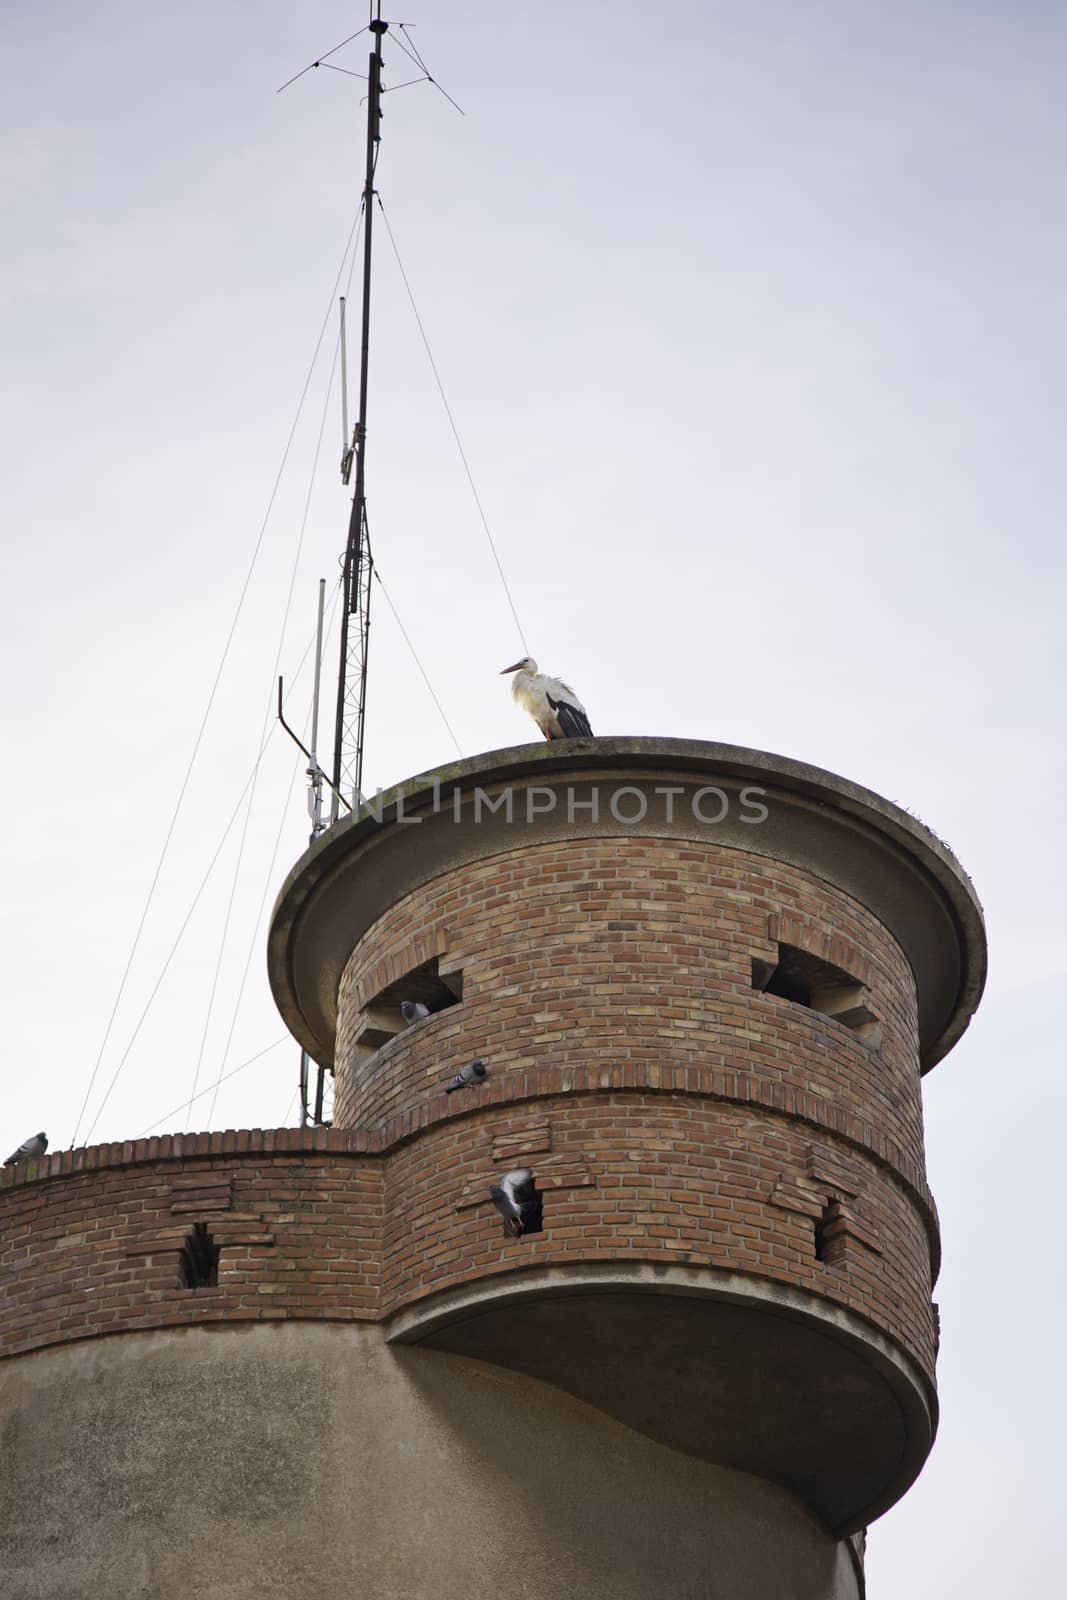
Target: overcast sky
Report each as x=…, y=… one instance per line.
x=751, y=317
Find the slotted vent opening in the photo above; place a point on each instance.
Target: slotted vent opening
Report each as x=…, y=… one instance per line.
x=830, y=1234
x=519, y=1203
x=198, y=1264
x=807, y=980
x=424, y=985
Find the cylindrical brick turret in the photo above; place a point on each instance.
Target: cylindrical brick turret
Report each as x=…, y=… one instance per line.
x=704, y=982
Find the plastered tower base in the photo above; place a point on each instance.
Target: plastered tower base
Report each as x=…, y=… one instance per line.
x=705, y=1028
x=297, y=1461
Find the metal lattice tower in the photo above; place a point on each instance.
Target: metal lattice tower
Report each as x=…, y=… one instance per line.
x=352, y=686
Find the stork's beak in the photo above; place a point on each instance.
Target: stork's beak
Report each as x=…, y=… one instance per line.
x=515, y=668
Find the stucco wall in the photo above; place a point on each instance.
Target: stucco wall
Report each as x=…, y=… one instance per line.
x=311, y=1462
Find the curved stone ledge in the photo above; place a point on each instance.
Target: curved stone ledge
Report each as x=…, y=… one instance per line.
x=876, y=853
x=187, y=1147
x=731, y=1369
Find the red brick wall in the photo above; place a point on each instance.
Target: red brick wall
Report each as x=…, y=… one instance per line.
x=595, y=965
x=659, y=1178
x=91, y=1246
x=673, y=1115
x=613, y=951
x=338, y=1226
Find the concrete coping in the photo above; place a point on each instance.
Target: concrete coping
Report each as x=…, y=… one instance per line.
x=231, y=1143
x=852, y=838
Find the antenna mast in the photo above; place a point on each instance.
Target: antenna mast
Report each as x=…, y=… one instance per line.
x=357, y=566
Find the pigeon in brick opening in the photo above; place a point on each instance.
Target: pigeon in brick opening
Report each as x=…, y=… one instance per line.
x=413, y=1011
x=518, y=1202
x=26, y=1152
x=474, y=1072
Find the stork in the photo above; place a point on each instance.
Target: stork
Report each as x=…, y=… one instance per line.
x=552, y=703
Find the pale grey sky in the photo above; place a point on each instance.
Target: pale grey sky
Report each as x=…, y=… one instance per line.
x=752, y=321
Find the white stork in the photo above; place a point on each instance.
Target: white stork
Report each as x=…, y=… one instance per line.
x=552, y=703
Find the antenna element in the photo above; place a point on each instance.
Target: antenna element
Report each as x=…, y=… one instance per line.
x=348, y=449
x=358, y=563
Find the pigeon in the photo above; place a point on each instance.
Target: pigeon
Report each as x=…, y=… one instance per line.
x=26, y=1152
x=474, y=1072
x=518, y=1202
x=413, y=1011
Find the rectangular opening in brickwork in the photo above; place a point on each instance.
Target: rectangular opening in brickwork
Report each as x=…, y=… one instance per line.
x=830, y=1234
x=198, y=1264
x=807, y=980
x=416, y=997
x=517, y=1201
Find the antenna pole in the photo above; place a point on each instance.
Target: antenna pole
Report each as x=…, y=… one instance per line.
x=347, y=448
x=316, y=776
x=351, y=686
x=315, y=772
x=304, y=1059
x=344, y=379
x=318, y=670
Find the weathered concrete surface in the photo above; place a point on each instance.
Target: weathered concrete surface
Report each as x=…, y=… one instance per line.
x=739, y=1372
x=303, y=1461
x=872, y=850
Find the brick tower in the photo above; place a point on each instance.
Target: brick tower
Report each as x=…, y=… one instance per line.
x=705, y=982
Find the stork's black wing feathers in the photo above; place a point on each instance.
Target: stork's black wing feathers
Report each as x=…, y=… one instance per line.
x=572, y=719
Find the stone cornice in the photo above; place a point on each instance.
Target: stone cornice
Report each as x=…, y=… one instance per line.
x=820, y=823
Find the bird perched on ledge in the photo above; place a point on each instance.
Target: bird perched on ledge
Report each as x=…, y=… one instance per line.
x=26, y=1152
x=552, y=703
x=474, y=1072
